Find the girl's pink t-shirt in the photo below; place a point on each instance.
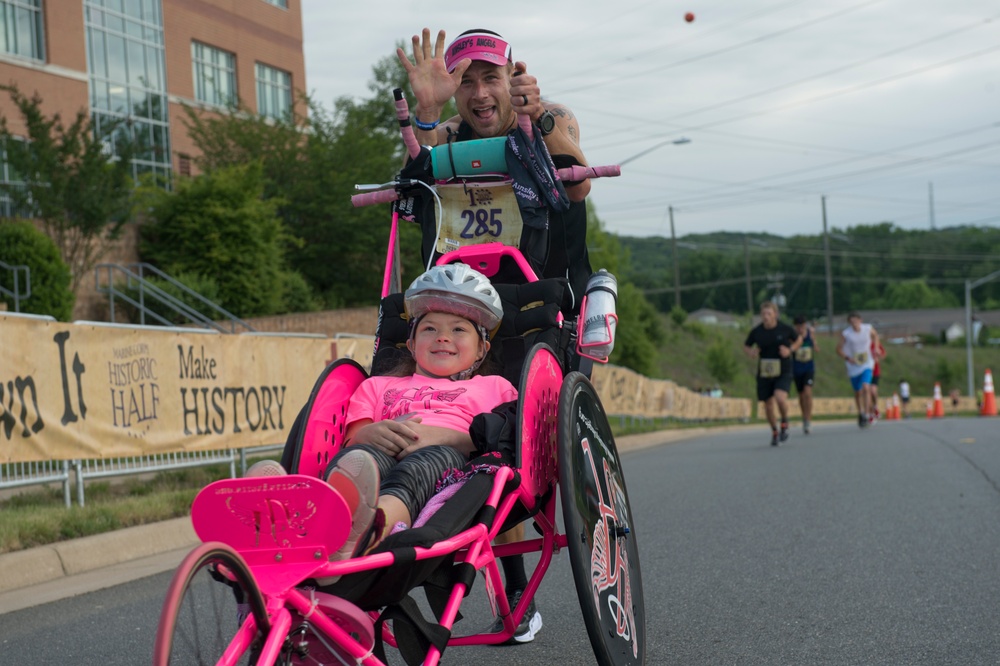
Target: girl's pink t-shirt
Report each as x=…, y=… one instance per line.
x=439, y=402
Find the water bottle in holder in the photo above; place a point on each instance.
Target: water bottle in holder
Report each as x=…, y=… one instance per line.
x=597, y=323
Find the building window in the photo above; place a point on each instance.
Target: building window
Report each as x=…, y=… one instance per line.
x=128, y=86
x=11, y=180
x=274, y=92
x=21, y=28
x=278, y=3
x=214, y=75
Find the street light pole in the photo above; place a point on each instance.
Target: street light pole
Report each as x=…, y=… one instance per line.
x=677, y=267
x=968, y=337
x=746, y=268
x=829, y=279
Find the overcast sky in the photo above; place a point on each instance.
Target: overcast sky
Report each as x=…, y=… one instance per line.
x=880, y=105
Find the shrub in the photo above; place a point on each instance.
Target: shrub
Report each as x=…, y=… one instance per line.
x=678, y=315
x=218, y=224
x=22, y=244
x=296, y=294
x=697, y=329
x=721, y=362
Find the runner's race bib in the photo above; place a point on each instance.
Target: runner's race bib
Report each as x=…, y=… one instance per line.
x=770, y=368
x=480, y=213
x=860, y=358
x=804, y=354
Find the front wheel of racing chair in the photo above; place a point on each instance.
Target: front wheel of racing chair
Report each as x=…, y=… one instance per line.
x=600, y=532
x=212, y=599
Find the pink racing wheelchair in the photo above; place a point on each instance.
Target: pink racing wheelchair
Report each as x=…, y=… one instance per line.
x=261, y=589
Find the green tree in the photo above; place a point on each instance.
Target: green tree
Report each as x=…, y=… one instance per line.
x=639, y=332
x=219, y=225
x=21, y=244
x=312, y=164
x=911, y=294
x=63, y=177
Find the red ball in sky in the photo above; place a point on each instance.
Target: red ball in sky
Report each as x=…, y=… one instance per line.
x=689, y=17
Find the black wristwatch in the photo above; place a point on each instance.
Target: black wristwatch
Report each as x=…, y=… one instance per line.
x=546, y=123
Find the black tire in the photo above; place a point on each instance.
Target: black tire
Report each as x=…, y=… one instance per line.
x=211, y=589
x=600, y=532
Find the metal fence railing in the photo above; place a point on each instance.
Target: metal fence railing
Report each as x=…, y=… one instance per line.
x=131, y=286
x=15, y=475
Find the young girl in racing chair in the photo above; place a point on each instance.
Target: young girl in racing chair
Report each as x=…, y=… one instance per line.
x=406, y=429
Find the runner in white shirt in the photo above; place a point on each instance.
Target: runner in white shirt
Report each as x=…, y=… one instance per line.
x=855, y=348
x=904, y=395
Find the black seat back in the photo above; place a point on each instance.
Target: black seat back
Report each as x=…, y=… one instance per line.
x=531, y=315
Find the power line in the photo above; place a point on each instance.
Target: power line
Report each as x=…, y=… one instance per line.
x=822, y=97
x=843, y=68
x=728, y=49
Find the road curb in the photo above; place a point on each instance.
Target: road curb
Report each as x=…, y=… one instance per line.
x=34, y=566
x=25, y=568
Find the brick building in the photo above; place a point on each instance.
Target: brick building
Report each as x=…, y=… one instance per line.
x=143, y=61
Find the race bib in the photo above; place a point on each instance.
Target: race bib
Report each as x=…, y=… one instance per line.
x=860, y=358
x=481, y=213
x=804, y=354
x=770, y=368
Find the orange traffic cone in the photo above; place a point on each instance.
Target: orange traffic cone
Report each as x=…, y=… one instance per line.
x=938, y=403
x=989, y=407
x=930, y=410
x=892, y=405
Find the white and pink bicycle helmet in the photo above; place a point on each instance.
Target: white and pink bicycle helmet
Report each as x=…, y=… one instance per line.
x=456, y=289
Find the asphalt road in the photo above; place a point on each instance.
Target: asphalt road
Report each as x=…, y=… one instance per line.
x=844, y=547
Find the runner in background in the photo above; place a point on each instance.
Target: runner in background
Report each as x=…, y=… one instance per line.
x=878, y=353
x=773, y=342
x=904, y=397
x=804, y=369
x=855, y=348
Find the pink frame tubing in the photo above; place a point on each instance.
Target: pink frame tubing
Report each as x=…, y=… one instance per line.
x=286, y=527
x=277, y=569
x=485, y=258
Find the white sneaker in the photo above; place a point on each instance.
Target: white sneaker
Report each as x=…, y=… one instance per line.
x=266, y=468
x=356, y=478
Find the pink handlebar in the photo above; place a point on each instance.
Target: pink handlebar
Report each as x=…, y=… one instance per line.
x=569, y=173
x=405, y=128
x=581, y=173
x=524, y=122
x=371, y=198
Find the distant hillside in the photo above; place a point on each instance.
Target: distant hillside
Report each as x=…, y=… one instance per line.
x=872, y=267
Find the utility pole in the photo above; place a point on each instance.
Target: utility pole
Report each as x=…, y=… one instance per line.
x=829, y=279
x=746, y=266
x=677, y=266
x=930, y=193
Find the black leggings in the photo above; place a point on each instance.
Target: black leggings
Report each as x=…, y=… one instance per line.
x=411, y=480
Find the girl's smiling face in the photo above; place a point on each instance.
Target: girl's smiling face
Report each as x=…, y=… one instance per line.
x=445, y=344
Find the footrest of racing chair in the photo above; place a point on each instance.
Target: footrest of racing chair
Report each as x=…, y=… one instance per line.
x=371, y=590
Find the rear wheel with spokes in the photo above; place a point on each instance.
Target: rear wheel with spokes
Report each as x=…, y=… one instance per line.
x=600, y=532
x=212, y=607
